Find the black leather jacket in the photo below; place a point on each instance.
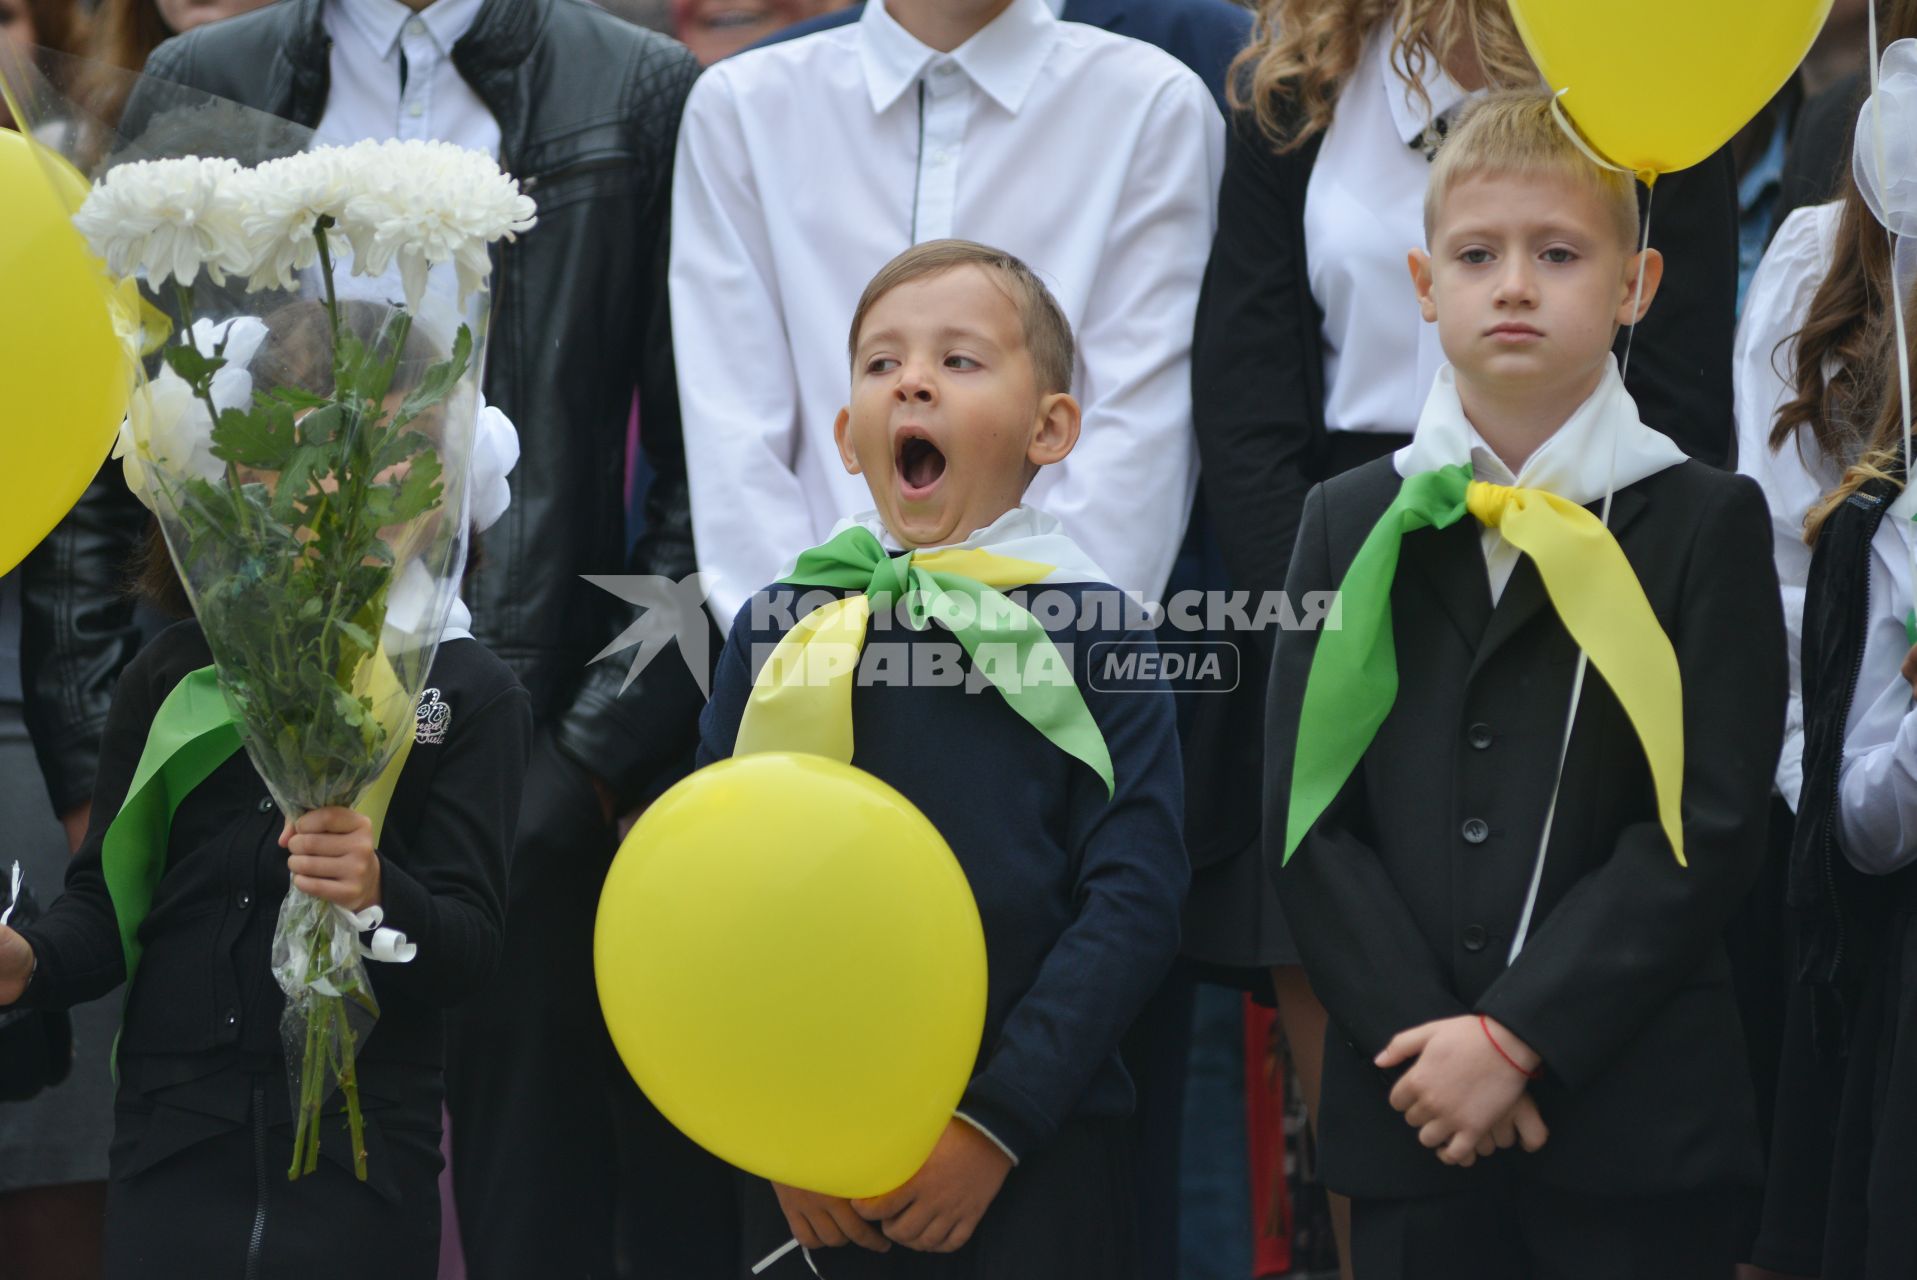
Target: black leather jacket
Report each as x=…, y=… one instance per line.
x=588, y=110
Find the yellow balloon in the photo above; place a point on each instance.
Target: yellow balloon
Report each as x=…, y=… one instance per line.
x=1658, y=85
x=792, y=967
x=64, y=375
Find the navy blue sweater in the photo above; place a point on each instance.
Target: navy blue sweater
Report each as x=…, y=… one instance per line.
x=1079, y=892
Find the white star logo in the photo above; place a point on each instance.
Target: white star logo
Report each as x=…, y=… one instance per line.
x=673, y=611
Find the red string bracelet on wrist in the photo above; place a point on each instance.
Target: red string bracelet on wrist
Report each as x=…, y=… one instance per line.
x=1485, y=1024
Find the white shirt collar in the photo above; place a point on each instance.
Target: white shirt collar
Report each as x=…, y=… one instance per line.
x=382, y=22
x=1603, y=444
x=1407, y=115
x=1003, y=59
x=1020, y=522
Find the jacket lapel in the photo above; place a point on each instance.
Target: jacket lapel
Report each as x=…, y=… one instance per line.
x=301, y=72
x=492, y=59
x=1452, y=565
x=1524, y=595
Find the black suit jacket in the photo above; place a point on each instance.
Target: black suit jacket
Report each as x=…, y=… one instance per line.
x=1403, y=917
x=1205, y=35
x=1258, y=399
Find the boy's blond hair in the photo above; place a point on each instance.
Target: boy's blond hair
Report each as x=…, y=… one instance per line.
x=1514, y=134
x=1048, y=334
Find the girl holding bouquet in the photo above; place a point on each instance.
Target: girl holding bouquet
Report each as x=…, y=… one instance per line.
x=204, y=1126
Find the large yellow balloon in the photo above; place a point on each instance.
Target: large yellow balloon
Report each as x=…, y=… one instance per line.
x=792, y=966
x=64, y=376
x=1658, y=85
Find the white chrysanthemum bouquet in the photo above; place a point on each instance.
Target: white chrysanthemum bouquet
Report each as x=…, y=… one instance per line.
x=304, y=443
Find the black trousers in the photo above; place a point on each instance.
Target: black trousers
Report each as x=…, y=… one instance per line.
x=529, y=1066
x=560, y=1166
x=1516, y=1229
x=1065, y=1213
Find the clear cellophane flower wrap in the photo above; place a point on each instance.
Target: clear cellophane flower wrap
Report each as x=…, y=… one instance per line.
x=304, y=436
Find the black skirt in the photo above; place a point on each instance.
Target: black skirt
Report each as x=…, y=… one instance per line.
x=198, y=1190
x=1871, y=1230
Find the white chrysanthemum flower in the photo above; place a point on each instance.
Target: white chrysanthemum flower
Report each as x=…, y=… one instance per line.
x=169, y=219
x=286, y=198
x=424, y=203
x=168, y=430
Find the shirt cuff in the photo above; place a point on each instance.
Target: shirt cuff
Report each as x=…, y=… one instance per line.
x=1004, y=1116
x=993, y=1138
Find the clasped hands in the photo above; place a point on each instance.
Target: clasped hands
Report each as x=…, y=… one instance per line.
x=936, y=1211
x=1464, y=1097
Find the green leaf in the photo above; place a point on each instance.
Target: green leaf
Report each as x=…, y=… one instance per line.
x=415, y=494
x=396, y=447
x=372, y=377
x=297, y=397
x=439, y=379
x=296, y=481
x=261, y=437
x=356, y=633
x=195, y=368
x=321, y=426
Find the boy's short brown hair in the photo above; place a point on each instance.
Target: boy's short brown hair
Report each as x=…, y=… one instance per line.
x=1048, y=334
x=1515, y=133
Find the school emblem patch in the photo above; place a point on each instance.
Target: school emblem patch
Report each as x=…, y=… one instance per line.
x=433, y=716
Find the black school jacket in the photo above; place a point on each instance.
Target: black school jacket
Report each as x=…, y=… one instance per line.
x=1405, y=895
x=1258, y=375
x=204, y=1010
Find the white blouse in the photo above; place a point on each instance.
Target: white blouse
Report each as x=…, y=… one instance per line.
x=1763, y=374
x=1364, y=212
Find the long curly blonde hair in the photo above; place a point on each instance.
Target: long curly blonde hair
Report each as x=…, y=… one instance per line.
x=1302, y=52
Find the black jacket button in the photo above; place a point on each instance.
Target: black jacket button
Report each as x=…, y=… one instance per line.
x=1474, y=937
x=1479, y=736
x=266, y=804
x=1475, y=831
x=242, y=899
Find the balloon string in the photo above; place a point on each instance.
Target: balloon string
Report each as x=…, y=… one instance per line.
x=1896, y=284
x=1523, y=930
x=784, y=1249
x=1648, y=177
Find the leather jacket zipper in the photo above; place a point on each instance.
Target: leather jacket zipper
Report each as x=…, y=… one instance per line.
x=255, y=1244
x=590, y=164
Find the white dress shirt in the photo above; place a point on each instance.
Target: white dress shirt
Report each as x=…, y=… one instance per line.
x=1364, y=212
x=1603, y=444
x=806, y=166
x=365, y=100
x=1764, y=376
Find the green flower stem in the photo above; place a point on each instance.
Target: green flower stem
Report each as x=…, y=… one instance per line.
x=349, y=1085
x=330, y=1045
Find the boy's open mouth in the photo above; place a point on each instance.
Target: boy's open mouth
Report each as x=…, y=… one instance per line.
x=919, y=463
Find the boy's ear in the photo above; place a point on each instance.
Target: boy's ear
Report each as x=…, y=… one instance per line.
x=1057, y=431
x=842, y=436
x=1420, y=263
x=1631, y=309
